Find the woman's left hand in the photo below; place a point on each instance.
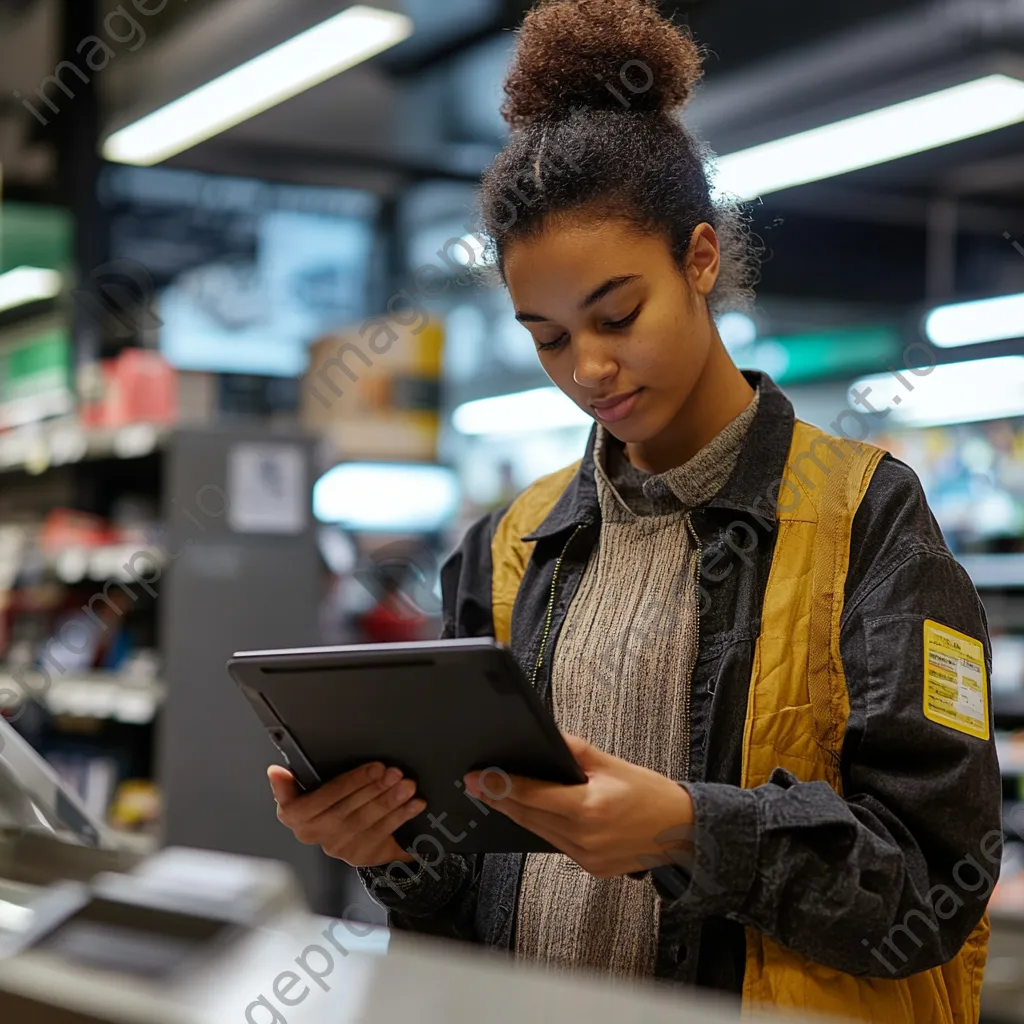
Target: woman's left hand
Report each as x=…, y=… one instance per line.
x=623, y=819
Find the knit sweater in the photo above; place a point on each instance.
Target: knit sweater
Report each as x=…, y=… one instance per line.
x=620, y=680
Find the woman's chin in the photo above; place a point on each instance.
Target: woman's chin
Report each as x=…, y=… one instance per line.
x=629, y=431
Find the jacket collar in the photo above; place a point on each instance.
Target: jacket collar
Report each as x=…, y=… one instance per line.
x=751, y=488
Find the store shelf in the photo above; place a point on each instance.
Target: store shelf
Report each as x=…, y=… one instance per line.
x=995, y=571
x=137, y=842
x=74, y=564
x=36, y=448
x=98, y=695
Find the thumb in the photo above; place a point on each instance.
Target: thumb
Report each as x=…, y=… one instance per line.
x=283, y=784
x=584, y=752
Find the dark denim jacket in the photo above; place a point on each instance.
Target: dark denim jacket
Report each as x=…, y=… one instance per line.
x=849, y=882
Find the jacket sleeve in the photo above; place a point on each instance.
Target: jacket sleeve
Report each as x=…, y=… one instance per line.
x=440, y=898
x=889, y=879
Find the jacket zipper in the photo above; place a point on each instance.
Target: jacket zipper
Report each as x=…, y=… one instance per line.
x=689, y=682
x=533, y=682
x=551, y=605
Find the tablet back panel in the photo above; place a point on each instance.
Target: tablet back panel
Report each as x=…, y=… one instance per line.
x=436, y=710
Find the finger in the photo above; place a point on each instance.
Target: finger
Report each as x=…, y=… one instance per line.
x=495, y=784
x=399, y=816
x=309, y=805
x=548, y=826
x=283, y=785
x=378, y=837
x=535, y=819
x=580, y=748
x=549, y=796
x=363, y=810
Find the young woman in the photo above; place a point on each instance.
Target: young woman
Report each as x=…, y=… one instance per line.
x=762, y=652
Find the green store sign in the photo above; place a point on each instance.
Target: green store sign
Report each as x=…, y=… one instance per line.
x=822, y=355
x=35, y=376
x=34, y=236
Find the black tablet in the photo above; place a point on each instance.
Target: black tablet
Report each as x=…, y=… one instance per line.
x=435, y=709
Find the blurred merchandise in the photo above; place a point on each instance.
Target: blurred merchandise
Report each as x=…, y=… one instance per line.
x=66, y=528
x=91, y=777
x=1007, y=663
x=374, y=393
x=35, y=373
x=136, y=805
x=392, y=620
x=1010, y=748
x=197, y=397
x=1008, y=894
x=973, y=474
x=136, y=386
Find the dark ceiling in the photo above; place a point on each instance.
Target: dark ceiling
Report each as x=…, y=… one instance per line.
x=928, y=226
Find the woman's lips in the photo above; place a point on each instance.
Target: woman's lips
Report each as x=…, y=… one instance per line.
x=619, y=409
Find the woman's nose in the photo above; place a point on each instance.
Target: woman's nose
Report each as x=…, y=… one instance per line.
x=592, y=367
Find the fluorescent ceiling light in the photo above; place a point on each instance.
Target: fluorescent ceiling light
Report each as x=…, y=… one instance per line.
x=522, y=412
x=914, y=126
x=970, y=323
x=982, y=389
x=308, y=59
x=391, y=497
x=28, y=284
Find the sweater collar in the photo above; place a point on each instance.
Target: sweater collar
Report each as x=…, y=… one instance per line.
x=678, y=489
x=752, y=487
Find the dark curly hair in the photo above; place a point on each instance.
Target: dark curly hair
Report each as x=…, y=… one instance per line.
x=592, y=98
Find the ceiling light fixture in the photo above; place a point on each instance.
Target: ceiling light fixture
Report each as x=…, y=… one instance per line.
x=889, y=133
x=522, y=412
x=311, y=57
x=967, y=392
x=387, y=497
x=972, y=323
x=28, y=284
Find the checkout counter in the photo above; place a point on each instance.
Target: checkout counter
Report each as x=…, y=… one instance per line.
x=92, y=932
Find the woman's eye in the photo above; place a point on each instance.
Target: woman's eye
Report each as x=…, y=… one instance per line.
x=615, y=325
x=624, y=322
x=550, y=346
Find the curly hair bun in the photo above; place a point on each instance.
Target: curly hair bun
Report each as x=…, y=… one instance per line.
x=601, y=54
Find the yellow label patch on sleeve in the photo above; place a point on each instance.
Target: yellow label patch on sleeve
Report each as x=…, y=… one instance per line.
x=955, y=683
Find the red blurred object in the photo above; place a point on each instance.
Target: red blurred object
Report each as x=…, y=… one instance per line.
x=66, y=527
x=138, y=386
x=387, y=623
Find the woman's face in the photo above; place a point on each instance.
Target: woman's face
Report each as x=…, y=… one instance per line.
x=617, y=326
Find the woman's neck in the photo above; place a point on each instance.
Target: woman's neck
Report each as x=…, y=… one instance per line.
x=719, y=396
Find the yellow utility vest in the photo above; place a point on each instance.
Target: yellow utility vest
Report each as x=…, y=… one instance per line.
x=797, y=710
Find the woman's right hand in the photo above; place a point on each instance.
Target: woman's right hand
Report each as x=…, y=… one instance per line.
x=353, y=817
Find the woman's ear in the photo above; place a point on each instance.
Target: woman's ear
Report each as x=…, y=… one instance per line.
x=705, y=259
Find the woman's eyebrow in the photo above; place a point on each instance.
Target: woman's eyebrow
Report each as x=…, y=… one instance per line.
x=595, y=296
